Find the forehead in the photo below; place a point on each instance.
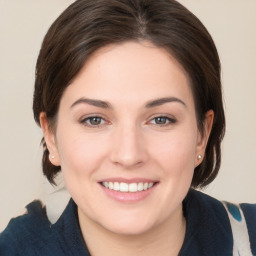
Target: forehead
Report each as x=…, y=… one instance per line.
x=131, y=71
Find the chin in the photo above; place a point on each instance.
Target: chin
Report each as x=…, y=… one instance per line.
x=134, y=230
x=129, y=227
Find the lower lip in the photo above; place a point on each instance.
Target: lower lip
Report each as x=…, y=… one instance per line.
x=128, y=197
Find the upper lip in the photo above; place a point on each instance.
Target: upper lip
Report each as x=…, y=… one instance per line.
x=128, y=180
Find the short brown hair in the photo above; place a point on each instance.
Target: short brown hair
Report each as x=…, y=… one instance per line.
x=87, y=25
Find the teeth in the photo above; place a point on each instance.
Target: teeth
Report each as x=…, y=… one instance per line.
x=140, y=186
x=110, y=185
x=133, y=187
x=125, y=187
x=150, y=185
x=105, y=184
x=116, y=186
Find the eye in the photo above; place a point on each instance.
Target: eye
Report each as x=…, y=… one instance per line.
x=93, y=121
x=162, y=120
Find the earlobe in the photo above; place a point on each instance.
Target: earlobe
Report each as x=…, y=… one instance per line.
x=50, y=140
x=203, y=136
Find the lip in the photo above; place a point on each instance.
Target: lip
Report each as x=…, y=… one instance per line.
x=128, y=197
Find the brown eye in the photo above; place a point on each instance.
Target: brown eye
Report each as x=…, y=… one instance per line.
x=93, y=121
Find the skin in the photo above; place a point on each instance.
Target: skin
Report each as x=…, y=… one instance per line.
x=129, y=142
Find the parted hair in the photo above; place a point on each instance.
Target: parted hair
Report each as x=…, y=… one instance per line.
x=87, y=25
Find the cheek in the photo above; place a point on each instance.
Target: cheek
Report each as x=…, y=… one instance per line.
x=176, y=152
x=80, y=154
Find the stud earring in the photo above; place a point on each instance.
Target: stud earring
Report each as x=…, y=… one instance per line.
x=199, y=157
x=51, y=157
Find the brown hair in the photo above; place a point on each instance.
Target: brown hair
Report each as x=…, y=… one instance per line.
x=88, y=25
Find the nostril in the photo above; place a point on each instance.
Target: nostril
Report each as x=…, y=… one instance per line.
x=128, y=148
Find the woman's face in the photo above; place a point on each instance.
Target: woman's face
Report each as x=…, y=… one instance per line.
x=127, y=138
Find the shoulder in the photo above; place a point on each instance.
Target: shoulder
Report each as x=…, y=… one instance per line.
x=217, y=207
x=249, y=211
x=205, y=200
x=33, y=234
x=25, y=230
x=215, y=220
x=207, y=206
x=243, y=222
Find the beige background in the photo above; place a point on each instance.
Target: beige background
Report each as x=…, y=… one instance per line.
x=23, y=24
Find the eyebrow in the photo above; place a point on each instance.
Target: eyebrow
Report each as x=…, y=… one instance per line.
x=93, y=102
x=161, y=101
x=107, y=105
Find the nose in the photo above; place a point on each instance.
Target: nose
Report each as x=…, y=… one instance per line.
x=128, y=147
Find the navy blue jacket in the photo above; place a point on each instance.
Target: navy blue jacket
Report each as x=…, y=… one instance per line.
x=208, y=230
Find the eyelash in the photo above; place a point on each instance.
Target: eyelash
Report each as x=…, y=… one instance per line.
x=168, y=120
x=84, y=121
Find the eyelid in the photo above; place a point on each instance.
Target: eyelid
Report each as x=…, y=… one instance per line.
x=86, y=117
x=171, y=119
x=83, y=120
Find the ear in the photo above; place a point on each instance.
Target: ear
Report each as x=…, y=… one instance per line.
x=50, y=140
x=203, y=137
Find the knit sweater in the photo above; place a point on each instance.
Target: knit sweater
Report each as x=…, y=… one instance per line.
x=208, y=231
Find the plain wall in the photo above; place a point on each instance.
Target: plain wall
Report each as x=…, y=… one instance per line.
x=23, y=24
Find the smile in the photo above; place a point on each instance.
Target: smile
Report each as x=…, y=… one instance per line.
x=125, y=187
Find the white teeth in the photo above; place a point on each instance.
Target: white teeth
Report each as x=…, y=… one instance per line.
x=140, y=186
x=133, y=187
x=105, y=184
x=125, y=187
x=116, y=186
x=110, y=185
x=150, y=185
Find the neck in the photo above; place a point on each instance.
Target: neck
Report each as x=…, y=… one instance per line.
x=165, y=239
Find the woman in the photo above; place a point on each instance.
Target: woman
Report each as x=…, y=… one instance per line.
x=128, y=96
